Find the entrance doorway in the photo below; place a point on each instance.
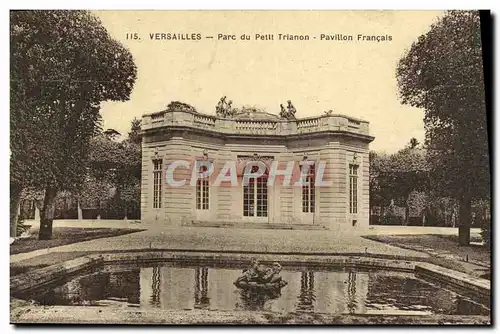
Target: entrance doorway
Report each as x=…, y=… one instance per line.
x=255, y=198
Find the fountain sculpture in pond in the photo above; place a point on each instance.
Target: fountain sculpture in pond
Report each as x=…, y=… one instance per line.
x=260, y=279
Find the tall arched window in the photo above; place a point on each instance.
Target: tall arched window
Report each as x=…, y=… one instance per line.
x=353, y=188
x=157, y=178
x=308, y=190
x=202, y=193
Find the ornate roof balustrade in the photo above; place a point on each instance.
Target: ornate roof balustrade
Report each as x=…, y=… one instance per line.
x=257, y=124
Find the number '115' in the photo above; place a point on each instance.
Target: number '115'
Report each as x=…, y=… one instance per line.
x=132, y=35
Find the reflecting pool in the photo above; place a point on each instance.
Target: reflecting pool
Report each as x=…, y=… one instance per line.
x=179, y=286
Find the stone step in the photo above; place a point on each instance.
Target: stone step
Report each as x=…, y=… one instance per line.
x=250, y=225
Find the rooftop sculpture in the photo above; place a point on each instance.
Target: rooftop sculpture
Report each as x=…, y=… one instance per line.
x=288, y=112
x=224, y=108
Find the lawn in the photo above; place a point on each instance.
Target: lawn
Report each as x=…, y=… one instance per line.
x=444, y=251
x=21, y=267
x=65, y=236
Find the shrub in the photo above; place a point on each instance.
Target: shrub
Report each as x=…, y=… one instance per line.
x=392, y=219
x=486, y=234
x=21, y=227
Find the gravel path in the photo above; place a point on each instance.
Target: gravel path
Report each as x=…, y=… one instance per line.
x=236, y=240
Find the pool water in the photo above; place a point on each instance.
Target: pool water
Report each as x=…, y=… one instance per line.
x=183, y=287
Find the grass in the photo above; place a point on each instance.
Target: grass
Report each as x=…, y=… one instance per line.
x=21, y=267
x=454, y=238
x=444, y=251
x=65, y=236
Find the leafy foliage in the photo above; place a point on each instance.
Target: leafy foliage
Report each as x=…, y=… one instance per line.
x=63, y=65
x=32, y=194
x=396, y=176
x=134, y=135
x=486, y=235
x=114, y=173
x=21, y=227
x=413, y=143
x=380, y=186
x=96, y=192
x=112, y=134
x=443, y=74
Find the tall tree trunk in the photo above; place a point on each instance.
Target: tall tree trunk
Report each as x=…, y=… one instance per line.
x=47, y=214
x=37, y=213
x=407, y=214
x=381, y=216
x=15, y=199
x=465, y=217
x=79, y=209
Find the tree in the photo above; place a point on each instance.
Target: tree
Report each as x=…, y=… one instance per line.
x=409, y=173
x=112, y=134
x=96, y=192
x=381, y=185
x=114, y=165
x=134, y=135
x=397, y=176
x=131, y=191
x=413, y=143
x=442, y=73
x=63, y=65
x=128, y=177
x=381, y=191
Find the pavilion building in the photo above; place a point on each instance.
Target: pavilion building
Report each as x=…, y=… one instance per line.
x=335, y=195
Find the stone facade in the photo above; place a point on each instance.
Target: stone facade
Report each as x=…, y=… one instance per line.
x=335, y=140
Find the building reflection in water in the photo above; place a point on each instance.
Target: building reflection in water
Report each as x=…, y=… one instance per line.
x=307, y=291
x=203, y=288
x=307, y=297
x=338, y=292
x=155, y=287
x=201, y=299
x=171, y=287
x=351, y=293
x=167, y=287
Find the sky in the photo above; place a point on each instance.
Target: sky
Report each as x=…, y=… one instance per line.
x=355, y=78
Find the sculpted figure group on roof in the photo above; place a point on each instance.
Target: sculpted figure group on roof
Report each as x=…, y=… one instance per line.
x=225, y=109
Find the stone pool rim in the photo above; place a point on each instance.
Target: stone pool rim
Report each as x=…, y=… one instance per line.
x=81, y=315
x=51, y=274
